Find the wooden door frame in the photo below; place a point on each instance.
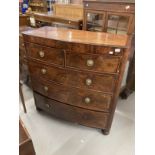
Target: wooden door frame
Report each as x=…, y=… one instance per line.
x=86, y=11
x=119, y=14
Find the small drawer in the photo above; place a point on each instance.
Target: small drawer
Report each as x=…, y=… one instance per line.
x=71, y=113
x=78, y=97
x=93, y=49
x=96, y=63
x=45, y=54
x=69, y=77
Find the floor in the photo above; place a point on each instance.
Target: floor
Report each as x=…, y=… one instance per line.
x=52, y=136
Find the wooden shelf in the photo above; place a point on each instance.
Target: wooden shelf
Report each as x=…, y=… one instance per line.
x=98, y=29
x=93, y=24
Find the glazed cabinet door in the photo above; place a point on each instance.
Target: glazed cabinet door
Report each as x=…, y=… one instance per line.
x=94, y=20
x=118, y=23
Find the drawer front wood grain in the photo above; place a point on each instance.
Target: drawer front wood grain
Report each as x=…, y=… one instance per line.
x=97, y=63
x=94, y=49
x=51, y=90
x=45, y=54
x=73, y=78
x=90, y=100
x=71, y=113
x=111, y=51
x=73, y=96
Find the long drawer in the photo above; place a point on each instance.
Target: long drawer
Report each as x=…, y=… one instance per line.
x=96, y=63
x=68, y=77
x=71, y=113
x=78, y=97
x=45, y=54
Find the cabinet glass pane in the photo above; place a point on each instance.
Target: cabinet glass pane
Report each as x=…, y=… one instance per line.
x=117, y=24
x=94, y=22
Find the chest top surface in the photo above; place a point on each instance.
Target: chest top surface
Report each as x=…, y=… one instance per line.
x=78, y=36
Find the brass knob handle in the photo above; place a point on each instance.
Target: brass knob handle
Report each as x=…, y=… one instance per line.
x=87, y=100
x=23, y=44
x=47, y=105
x=42, y=54
x=45, y=88
x=88, y=82
x=43, y=71
x=87, y=5
x=90, y=62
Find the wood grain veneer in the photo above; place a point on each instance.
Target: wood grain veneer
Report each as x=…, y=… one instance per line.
x=78, y=76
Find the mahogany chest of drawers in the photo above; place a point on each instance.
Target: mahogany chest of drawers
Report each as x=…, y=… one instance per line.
x=76, y=75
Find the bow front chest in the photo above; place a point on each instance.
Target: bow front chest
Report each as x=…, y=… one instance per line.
x=76, y=75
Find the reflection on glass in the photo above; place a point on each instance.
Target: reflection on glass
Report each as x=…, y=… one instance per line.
x=94, y=22
x=117, y=24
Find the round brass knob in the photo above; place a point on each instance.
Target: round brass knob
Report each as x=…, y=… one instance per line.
x=87, y=100
x=47, y=105
x=43, y=71
x=23, y=44
x=90, y=62
x=42, y=54
x=88, y=82
x=45, y=88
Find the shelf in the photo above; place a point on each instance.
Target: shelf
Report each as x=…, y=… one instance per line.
x=117, y=28
x=98, y=29
x=114, y=31
x=94, y=24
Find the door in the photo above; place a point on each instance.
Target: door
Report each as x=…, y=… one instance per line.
x=118, y=23
x=94, y=20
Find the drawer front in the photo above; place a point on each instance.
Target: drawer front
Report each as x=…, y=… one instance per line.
x=113, y=51
x=45, y=54
x=51, y=90
x=94, y=49
x=97, y=63
x=78, y=97
x=66, y=77
x=71, y=113
x=90, y=100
